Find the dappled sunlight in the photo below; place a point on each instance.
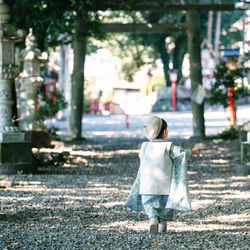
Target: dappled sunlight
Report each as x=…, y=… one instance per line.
x=227, y=219
x=51, y=150
x=101, y=154
x=180, y=124
x=185, y=133
x=109, y=204
x=141, y=226
x=198, y=204
x=220, y=161
x=216, y=124
x=104, y=135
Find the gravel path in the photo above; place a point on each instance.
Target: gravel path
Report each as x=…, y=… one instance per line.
x=78, y=204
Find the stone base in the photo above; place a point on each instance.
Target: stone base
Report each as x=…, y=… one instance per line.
x=242, y=135
x=12, y=137
x=245, y=152
x=16, y=168
x=16, y=156
x=243, y=170
x=40, y=139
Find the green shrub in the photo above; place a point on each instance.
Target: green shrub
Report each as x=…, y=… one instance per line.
x=225, y=79
x=51, y=104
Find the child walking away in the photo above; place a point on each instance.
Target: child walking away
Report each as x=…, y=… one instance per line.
x=161, y=184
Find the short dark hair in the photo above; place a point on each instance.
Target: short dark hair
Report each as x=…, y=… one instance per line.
x=163, y=127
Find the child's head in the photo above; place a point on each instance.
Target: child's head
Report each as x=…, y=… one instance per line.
x=164, y=126
x=154, y=127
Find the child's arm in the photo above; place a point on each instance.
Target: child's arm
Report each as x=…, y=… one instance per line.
x=195, y=151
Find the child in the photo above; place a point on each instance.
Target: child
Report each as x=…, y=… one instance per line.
x=161, y=184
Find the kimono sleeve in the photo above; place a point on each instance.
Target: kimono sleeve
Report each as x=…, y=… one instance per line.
x=180, y=155
x=134, y=199
x=179, y=197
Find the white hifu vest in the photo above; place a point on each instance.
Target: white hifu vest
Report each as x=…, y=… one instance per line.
x=155, y=167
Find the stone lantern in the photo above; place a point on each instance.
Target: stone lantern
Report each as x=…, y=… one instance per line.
x=31, y=80
x=8, y=70
x=15, y=149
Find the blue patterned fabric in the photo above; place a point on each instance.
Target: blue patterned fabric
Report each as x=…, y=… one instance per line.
x=154, y=206
x=179, y=198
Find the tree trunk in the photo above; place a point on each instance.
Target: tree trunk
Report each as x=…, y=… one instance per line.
x=164, y=58
x=217, y=35
x=79, y=46
x=178, y=54
x=194, y=50
x=210, y=26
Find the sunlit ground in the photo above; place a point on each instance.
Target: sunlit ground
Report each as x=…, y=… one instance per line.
x=180, y=124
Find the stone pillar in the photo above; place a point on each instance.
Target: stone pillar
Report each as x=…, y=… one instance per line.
x=66, y=55
x=15, y=148
x=31, y=80
x=6, y=103
x=244, y=137
x=245, y=152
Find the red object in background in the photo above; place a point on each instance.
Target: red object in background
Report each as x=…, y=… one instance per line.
x=109, y=107
x=231, y=106
x=173, y=76
x=53, y=98
x=49, y=87
x=94, y=106
x=97, y=106
x=127, y=123
x=174, y=96
x=38, y=103
x=232, y=56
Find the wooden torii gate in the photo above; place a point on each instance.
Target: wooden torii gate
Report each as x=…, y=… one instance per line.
x=192, y=27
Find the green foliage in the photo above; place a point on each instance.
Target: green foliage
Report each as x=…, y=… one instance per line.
x=53, y=133
x=136, y=50
x=132, y=53
x=129, y=68
x=229, y=134
x=158, y=81
x=47, y=18
x=19, y=172
x=86, y=105
x=225, y=79
x=107, y=96
x=53, y=22
x=230, y=35
x=53, y=102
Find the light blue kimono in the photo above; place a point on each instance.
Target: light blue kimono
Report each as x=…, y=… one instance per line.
x=179, y=198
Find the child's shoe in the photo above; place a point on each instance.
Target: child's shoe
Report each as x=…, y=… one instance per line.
x=153, y=226
x=162, y=226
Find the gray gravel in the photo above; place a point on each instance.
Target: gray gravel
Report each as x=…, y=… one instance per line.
x=78, y=204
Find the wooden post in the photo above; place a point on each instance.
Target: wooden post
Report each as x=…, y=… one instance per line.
x=127, y=122
x=174, y=96
x=231, y=107
x=194, y=42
